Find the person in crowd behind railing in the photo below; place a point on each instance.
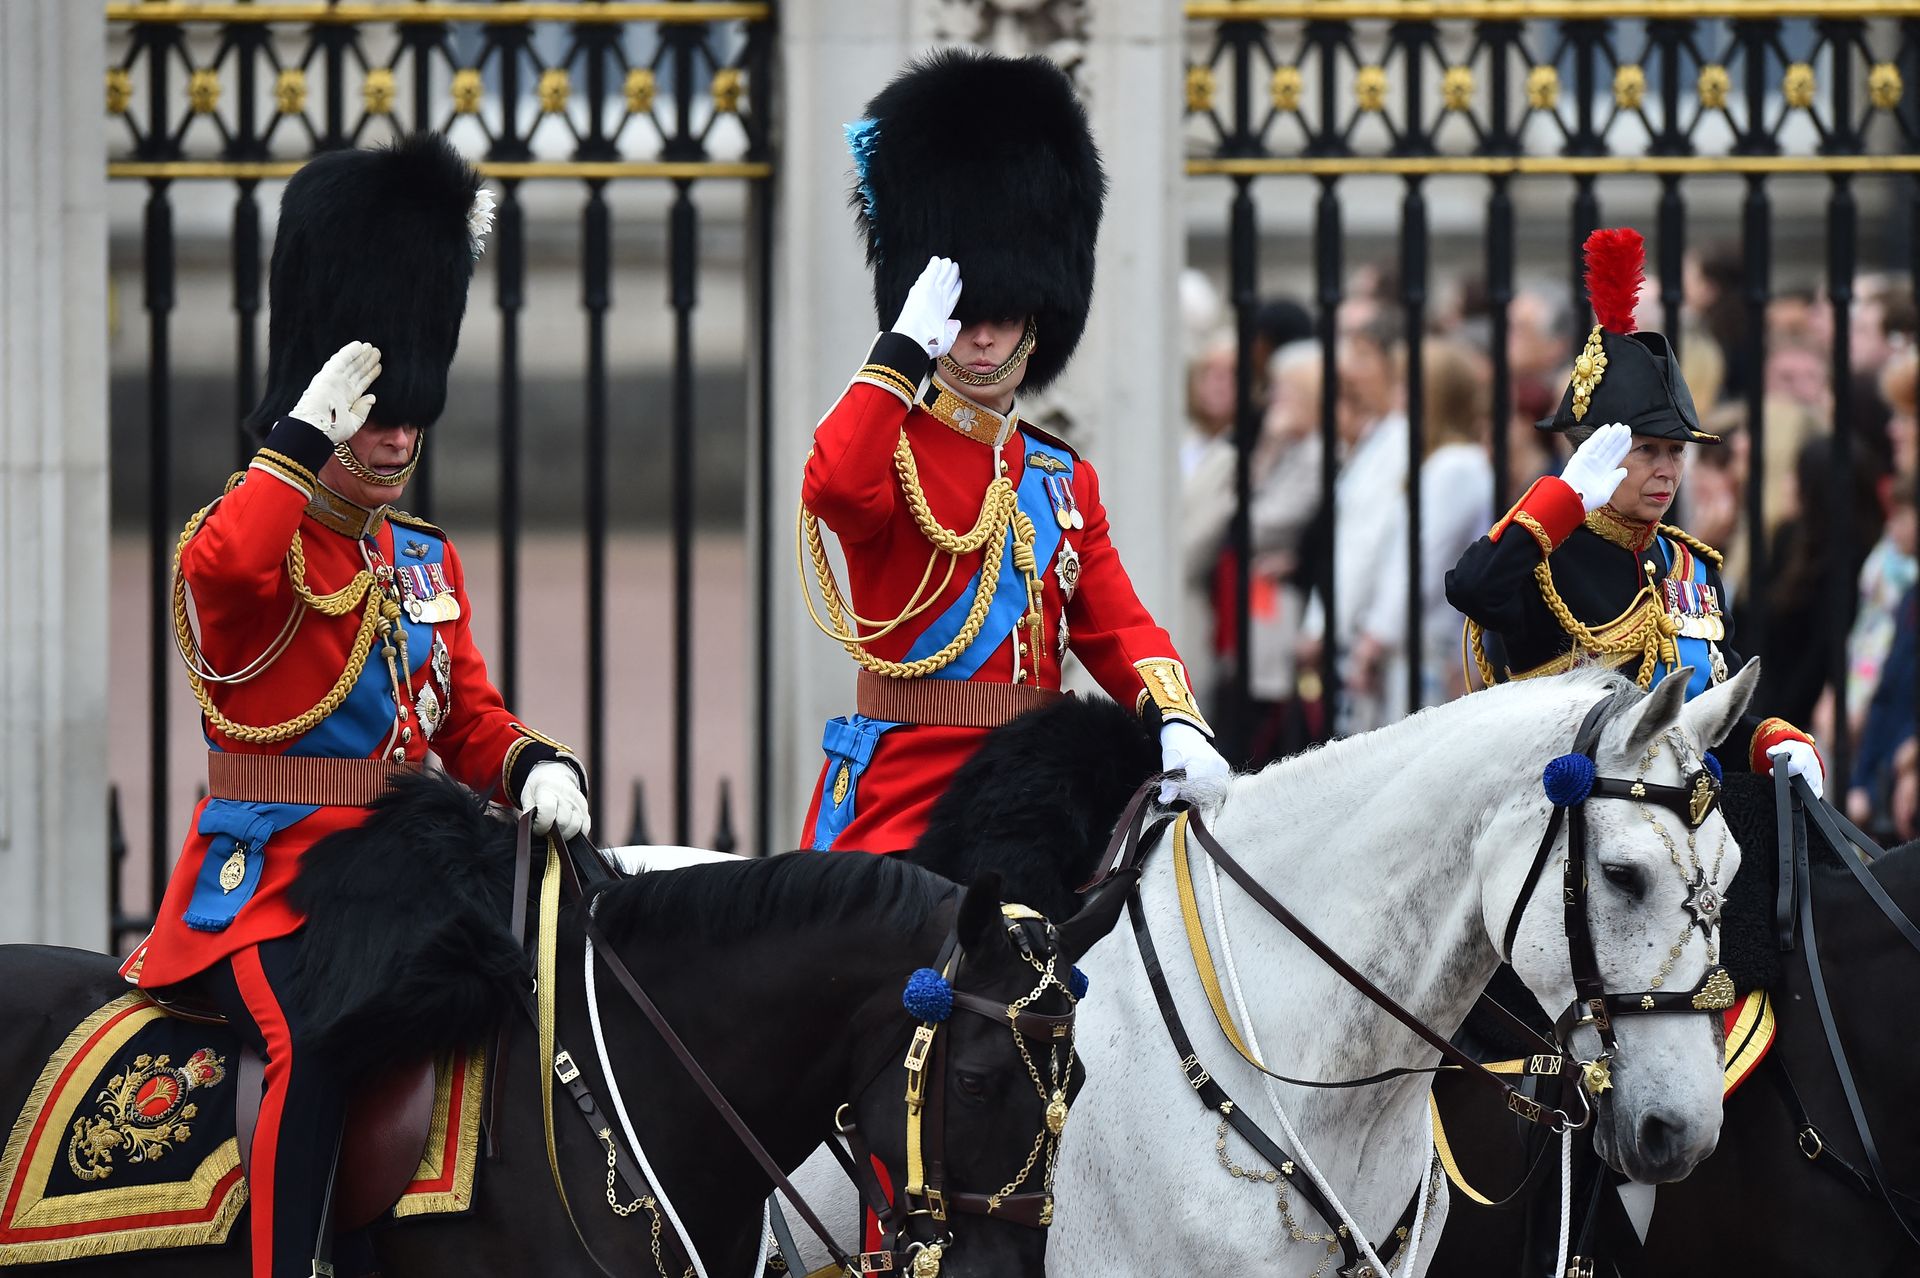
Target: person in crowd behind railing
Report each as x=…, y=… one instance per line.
x=1880, y=792
x=1886, y=579
x=1799, y=638
x=1456, y=506
x=1286, y=502
x=1373, y=478
x=1715, y=495
x=1207, y=463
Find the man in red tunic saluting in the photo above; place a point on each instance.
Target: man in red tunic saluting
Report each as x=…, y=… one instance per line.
x=977, y=546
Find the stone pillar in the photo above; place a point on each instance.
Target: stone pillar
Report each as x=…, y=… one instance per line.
x=53, y=474
x=1121, y=392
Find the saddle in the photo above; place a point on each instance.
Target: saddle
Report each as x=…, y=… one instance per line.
x=388, y=1121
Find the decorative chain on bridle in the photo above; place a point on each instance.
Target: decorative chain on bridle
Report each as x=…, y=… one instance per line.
x=925, y=1198
x=1572, y=781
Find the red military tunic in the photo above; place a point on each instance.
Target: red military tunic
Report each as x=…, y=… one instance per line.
x=958, y=446
x=236, y=567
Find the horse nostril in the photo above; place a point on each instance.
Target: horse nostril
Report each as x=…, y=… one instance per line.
x=1659, y=1139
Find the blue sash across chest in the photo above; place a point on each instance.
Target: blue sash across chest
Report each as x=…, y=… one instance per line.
x=1010, y=592
x=354, y=731
x=1695, y=652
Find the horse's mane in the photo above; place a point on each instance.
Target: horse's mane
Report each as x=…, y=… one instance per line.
x=724, y=900
x=1038, y=800
x=1338, y=761
x=406, y=949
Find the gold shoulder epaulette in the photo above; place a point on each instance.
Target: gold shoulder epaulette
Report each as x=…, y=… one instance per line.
x=414, y=521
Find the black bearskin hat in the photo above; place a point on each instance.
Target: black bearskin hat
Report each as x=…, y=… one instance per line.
x=1623, y=374
x=373, y=246
x=1016, y=203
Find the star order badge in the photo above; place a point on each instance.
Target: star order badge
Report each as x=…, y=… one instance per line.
x=1703, y=902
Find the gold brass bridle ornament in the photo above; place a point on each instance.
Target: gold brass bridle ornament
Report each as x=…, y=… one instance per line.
x=1052, y=1090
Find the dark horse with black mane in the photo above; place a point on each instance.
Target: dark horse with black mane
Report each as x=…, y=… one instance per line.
x=783, y=976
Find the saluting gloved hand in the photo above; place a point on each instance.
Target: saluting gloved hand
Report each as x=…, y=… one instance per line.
x=1594, y=470
x=553, y=797
x=1184, y=746
x=336, y=400
x=927, y=316
x=1802, y=760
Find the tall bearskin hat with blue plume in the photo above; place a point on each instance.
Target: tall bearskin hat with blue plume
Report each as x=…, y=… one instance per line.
x=374, y=246
x=1015, y=201
x=1624, y=374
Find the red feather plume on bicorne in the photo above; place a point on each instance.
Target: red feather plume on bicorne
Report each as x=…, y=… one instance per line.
x=1616, y=267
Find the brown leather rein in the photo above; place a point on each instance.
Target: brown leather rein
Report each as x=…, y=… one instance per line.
x=1592, y=1005
x=925, y=1063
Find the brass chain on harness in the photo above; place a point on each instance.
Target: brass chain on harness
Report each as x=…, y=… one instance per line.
x=646, y=1202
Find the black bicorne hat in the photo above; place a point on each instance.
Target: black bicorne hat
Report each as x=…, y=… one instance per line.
x=1624, y=375
x=989, y=161
x=374, y=246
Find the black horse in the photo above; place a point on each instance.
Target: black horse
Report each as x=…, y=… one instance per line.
x=783, y=976
x=1759, y=1205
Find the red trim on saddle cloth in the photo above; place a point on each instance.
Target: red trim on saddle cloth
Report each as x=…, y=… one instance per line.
x=1771, y=733
x=1553, y=503
x=1750, y=1029
x=36, y=1227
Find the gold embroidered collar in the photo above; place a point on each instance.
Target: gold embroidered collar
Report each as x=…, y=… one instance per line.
x=350, y=519
x=1628, y=534
x=958, y=413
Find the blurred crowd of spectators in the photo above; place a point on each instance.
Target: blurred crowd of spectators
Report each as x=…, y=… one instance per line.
x=1834, y=573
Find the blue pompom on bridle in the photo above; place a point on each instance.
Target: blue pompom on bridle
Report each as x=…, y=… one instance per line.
x=928, y=997
x=1569, y=780
x=1713, y=765
x=1077, y=984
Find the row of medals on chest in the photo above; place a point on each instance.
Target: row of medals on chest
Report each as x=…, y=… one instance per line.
x=423, y=593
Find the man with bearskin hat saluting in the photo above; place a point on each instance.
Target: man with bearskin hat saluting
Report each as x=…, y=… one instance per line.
x=1582, y=566
x=334, y=645
x=977, y=546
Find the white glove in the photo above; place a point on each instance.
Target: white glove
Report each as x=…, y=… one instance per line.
x=336, y=400
x=1594, y=470
x=927, y=316
x=552, y=796
x=1802, y=761
x=1184, y=746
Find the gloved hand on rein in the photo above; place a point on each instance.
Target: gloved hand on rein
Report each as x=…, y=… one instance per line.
x=1184, y=746
x=336, y=401
x=553, y=798
x=1594, y=471
x=927, y=315
x=1802, y=760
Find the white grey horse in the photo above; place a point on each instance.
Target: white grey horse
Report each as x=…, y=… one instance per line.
x=1406, y=849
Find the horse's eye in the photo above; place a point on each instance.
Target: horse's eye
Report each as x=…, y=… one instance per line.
x=971, y=1085
x=1627, y=878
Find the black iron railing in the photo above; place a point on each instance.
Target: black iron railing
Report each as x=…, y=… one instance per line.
x=1323, y=90
x=588, y=93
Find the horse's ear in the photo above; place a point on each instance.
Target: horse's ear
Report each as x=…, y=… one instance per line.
x=979, y=920
x=1099, y=911
x=1656, y=711
x=1712, y=714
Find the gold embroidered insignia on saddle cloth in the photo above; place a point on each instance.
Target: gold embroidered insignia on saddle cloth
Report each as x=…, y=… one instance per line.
x=126, y=1142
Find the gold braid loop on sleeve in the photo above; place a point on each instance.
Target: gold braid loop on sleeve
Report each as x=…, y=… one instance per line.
x=336, y=604
x=998, y=512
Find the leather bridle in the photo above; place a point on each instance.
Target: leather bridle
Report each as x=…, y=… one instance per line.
x=915, y=1227
x=1592, y=1004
